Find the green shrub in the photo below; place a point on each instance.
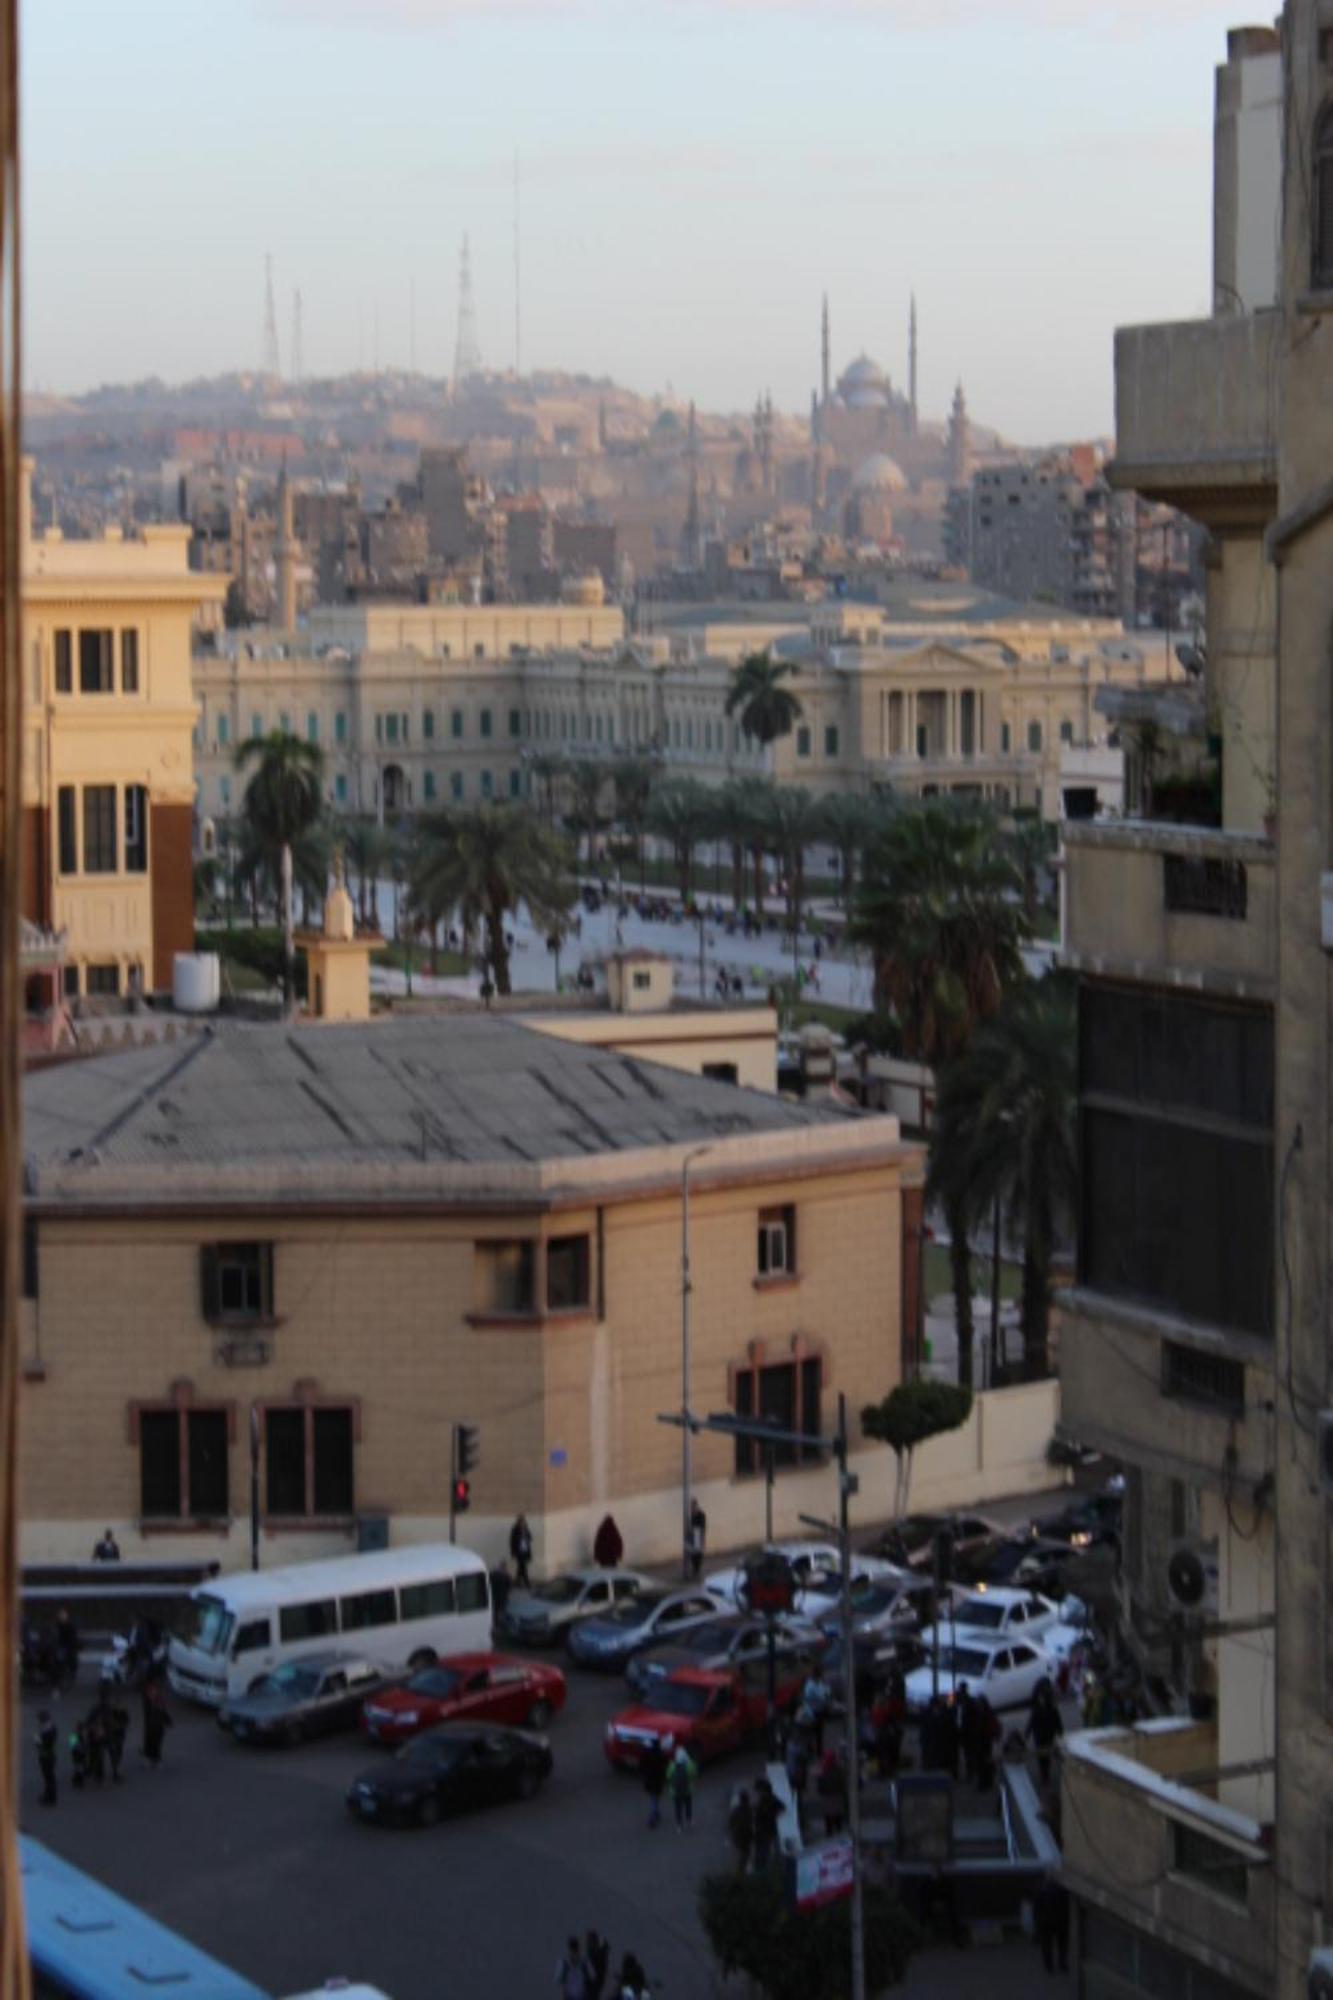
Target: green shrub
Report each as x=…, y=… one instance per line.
x=792, y=1954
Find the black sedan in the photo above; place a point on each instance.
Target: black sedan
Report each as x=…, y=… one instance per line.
x=448, y=1770
x=309, y=1697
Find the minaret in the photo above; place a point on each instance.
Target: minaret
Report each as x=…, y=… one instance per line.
x=960, y=441
x=285, y=556
x=824, y=356
x=911, y=361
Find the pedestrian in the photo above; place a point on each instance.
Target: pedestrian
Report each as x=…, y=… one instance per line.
x=1044, y=1727
x=608, y=1545
x=47, y=1739
x=967, y=1729
x=107, y=1550
x=947, y=1736
x=117, y=1729
x=653, y=1771
x=520, y=1550
x=797, y=1760
x=1050, y=1911
x=987, y=1734
x=740, y=1827
x=78, y=1756
x=697, y=1536
x=767, y=1815
x=831, y=1790
x=66, y=1647
x=815, y=1707
x=571, y=1975
x=94, y=1735
x=681, y=1778
x=597, y=1958
x=631, y=1979
x=156, y=1721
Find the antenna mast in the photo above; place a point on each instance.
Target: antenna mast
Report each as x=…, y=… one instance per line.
x=272, y=358
x=298, y=360
x=518, y=289
x=467, y=355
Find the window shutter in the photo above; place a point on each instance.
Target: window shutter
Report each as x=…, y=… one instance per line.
x=210, y=1288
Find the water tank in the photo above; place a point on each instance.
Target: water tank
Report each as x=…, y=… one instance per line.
x=196, y=982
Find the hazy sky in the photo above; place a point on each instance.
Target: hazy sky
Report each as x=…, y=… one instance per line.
x=692, y=178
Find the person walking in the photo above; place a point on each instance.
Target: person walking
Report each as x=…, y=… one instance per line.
x=117, y=1729
x=78, y=1756
x=107, y=1550
x=697, y=1537
x=66, y=1648
x=682, y=1775
x=1050, y=1912
x=967, y=1729
x=632, y=1980
x=814, y=1708
x=608, y=1545
x=597, y=1959
x=520, y=1550
x=47, y=1739
x=1044, y=1727
x=767, y=1814
x=831, y=1791
x=94, y=1735
x=740, y=1827
x=653, y=1771
x=156, y=1721
x=571, y=1975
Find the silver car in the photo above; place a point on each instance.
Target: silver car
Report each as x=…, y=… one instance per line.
x=307, y=1697
x=543, y=1615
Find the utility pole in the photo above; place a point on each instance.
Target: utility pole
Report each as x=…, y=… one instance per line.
x=272, y=358
x=298, y=358
x=518, y=288
x=847, y=1485
x=686, y=1291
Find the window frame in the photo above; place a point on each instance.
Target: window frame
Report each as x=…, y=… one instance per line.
x=212, y=1258
x=578, y=1245
x=309, y=1407
x=100, y=830
x=97, y=661
x=486, y=1264
x=129, y=659
x=779, y=1218
x=745, y=1396
x=181, y=1406
x=62, y=660
x=135, y=806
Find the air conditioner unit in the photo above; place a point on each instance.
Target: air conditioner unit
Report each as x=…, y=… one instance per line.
x=1325, y=1426
x=1191, y=1577
x=1319, y=1975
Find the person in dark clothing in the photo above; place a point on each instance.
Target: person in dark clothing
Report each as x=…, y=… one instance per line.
x=78, y=1756
x=156, y=1721
x=831, y=1790
x=117, y=1729
x=94, y=1735
x=520, y=1550
x=597, y=1959
x=1044, y=1727
x=653, y=1771
x=66, y=1647
x=47, y=1739
x=571, y=1975
x=631, y=1978
x=948, y=1738
x=107, y=1550
x=740, y=1828
x=608, y=1545
x=986, y=1734
x=698, y=1536
x=1051, y=1914
x=767, y=1814
x=966, y=1711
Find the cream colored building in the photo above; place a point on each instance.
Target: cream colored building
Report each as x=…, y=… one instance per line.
x=108, y=790
x=985, y=710
x=367, y=1233
x=643, y=1018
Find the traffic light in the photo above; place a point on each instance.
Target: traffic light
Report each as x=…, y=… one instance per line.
x=467, y=1448
x=462, y=1495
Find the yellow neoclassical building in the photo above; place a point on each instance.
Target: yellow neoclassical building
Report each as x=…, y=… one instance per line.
x=108, y=779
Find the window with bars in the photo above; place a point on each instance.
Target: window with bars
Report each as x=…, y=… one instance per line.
x=99, y=829
x=183, y=1468
x=787, y=1395
x=309, y=1454
x=1209, y=1380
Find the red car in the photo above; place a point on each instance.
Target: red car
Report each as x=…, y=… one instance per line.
x=711, y=1713
x=466, y=1687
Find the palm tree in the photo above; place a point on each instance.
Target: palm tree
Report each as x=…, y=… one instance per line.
x=850, y=822
x=633, y=779
x=484, y=862
x=369, y=848
x=939, y=909
x=282, y=801
x=749, y=811
x=587, y=784
x=681, y=813
x=796, y=823
x=766, y=708
x=1004, y=1133
x=1032, y=842
x=549, y=768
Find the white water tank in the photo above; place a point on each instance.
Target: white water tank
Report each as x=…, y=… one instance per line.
x=196, y=982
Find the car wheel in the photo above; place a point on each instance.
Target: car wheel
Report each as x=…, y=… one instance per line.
x=428, y=1812
x=424, y=1656
x=529, y=1782
x=539, y=1715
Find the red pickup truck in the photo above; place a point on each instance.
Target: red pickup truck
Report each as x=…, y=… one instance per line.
x=711, y=1713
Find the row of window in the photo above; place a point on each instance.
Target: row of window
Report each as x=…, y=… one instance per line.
x=1036, y=736
x=804, y=737
x=92, y=651
x=308, y=1460
x=488, y=787
x=100, y=831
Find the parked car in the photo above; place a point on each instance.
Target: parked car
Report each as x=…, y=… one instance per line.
x=911, y=1541
x=804, y=1557
x=543, y=1615
x=309, y=1697
x=651, y=1617
x=820, y=1595
x=717, y=1647
x=711, y=1713
x=1014, y=1558
x=1006, y=1671
x=1084, y=1523
x=995, y=1614
x=897, y=1601
x=449, y=1769
x=468, y=1687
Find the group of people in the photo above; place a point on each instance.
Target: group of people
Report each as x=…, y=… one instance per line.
x=753, y=1820
x=584, y=1969
x=668, y=1770
x=97, y=1742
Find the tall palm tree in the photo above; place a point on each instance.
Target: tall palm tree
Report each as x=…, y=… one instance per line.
x=766, y=708
x=550, y=768
x=1004, y=1133
x=748, y=805
x=369, y=848
x=681, y=813
x=283, y=799
x=796, y=823
x=587, y=786
x=632, y=779
x=850, y=822
x=1032, y=842
x=939, y=909
x=484, y=862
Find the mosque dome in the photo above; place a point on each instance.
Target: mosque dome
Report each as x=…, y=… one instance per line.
x=864, y=386
x=879, y=474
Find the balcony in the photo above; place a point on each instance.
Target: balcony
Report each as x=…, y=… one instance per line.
x=1164, y=1869
x=1194, y=423
x=1171, y=905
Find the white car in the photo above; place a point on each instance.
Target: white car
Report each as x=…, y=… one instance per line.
x=821, y=1598
x=885, y=1607
x=993, y=1614
x=1006, y=1671
x=805, y=1559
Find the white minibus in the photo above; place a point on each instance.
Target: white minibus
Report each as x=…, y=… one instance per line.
x=400, y=1607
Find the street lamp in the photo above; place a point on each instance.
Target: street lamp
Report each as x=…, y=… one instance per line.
x=686, y=1288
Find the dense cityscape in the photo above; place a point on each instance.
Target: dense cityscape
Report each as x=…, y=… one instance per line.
x=666, y=1134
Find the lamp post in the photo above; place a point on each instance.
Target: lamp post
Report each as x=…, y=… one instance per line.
x=686, y=1288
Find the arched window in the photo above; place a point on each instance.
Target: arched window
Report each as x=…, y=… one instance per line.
x=1321, y=275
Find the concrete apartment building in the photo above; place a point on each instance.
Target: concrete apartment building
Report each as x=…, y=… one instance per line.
x=367, y=1232
x=1195, y=1345
x=108, y=790
x=418, y=706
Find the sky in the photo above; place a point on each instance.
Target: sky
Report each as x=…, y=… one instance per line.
x=691, y=179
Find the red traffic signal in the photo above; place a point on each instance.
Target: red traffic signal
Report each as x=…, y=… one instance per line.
x=462, y=1495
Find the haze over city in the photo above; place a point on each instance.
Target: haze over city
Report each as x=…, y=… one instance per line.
x=690, y=181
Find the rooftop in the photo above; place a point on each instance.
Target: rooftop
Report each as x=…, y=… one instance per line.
x=444, y=1109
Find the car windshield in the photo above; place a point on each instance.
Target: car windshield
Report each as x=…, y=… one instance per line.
x=636, y=1613
x=963, y=1660
x=425, y=1750
x=680, y=1698
x=560, y=1590
x=439, y=1682
x=297, y=1683
x=983, y=1612
x=708, y=1638
x=209, y=1625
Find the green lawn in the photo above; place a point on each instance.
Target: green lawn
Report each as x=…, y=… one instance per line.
x=939, y=1277
x=448, y=964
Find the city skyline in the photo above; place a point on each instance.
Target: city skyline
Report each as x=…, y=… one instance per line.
x=689, y=186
